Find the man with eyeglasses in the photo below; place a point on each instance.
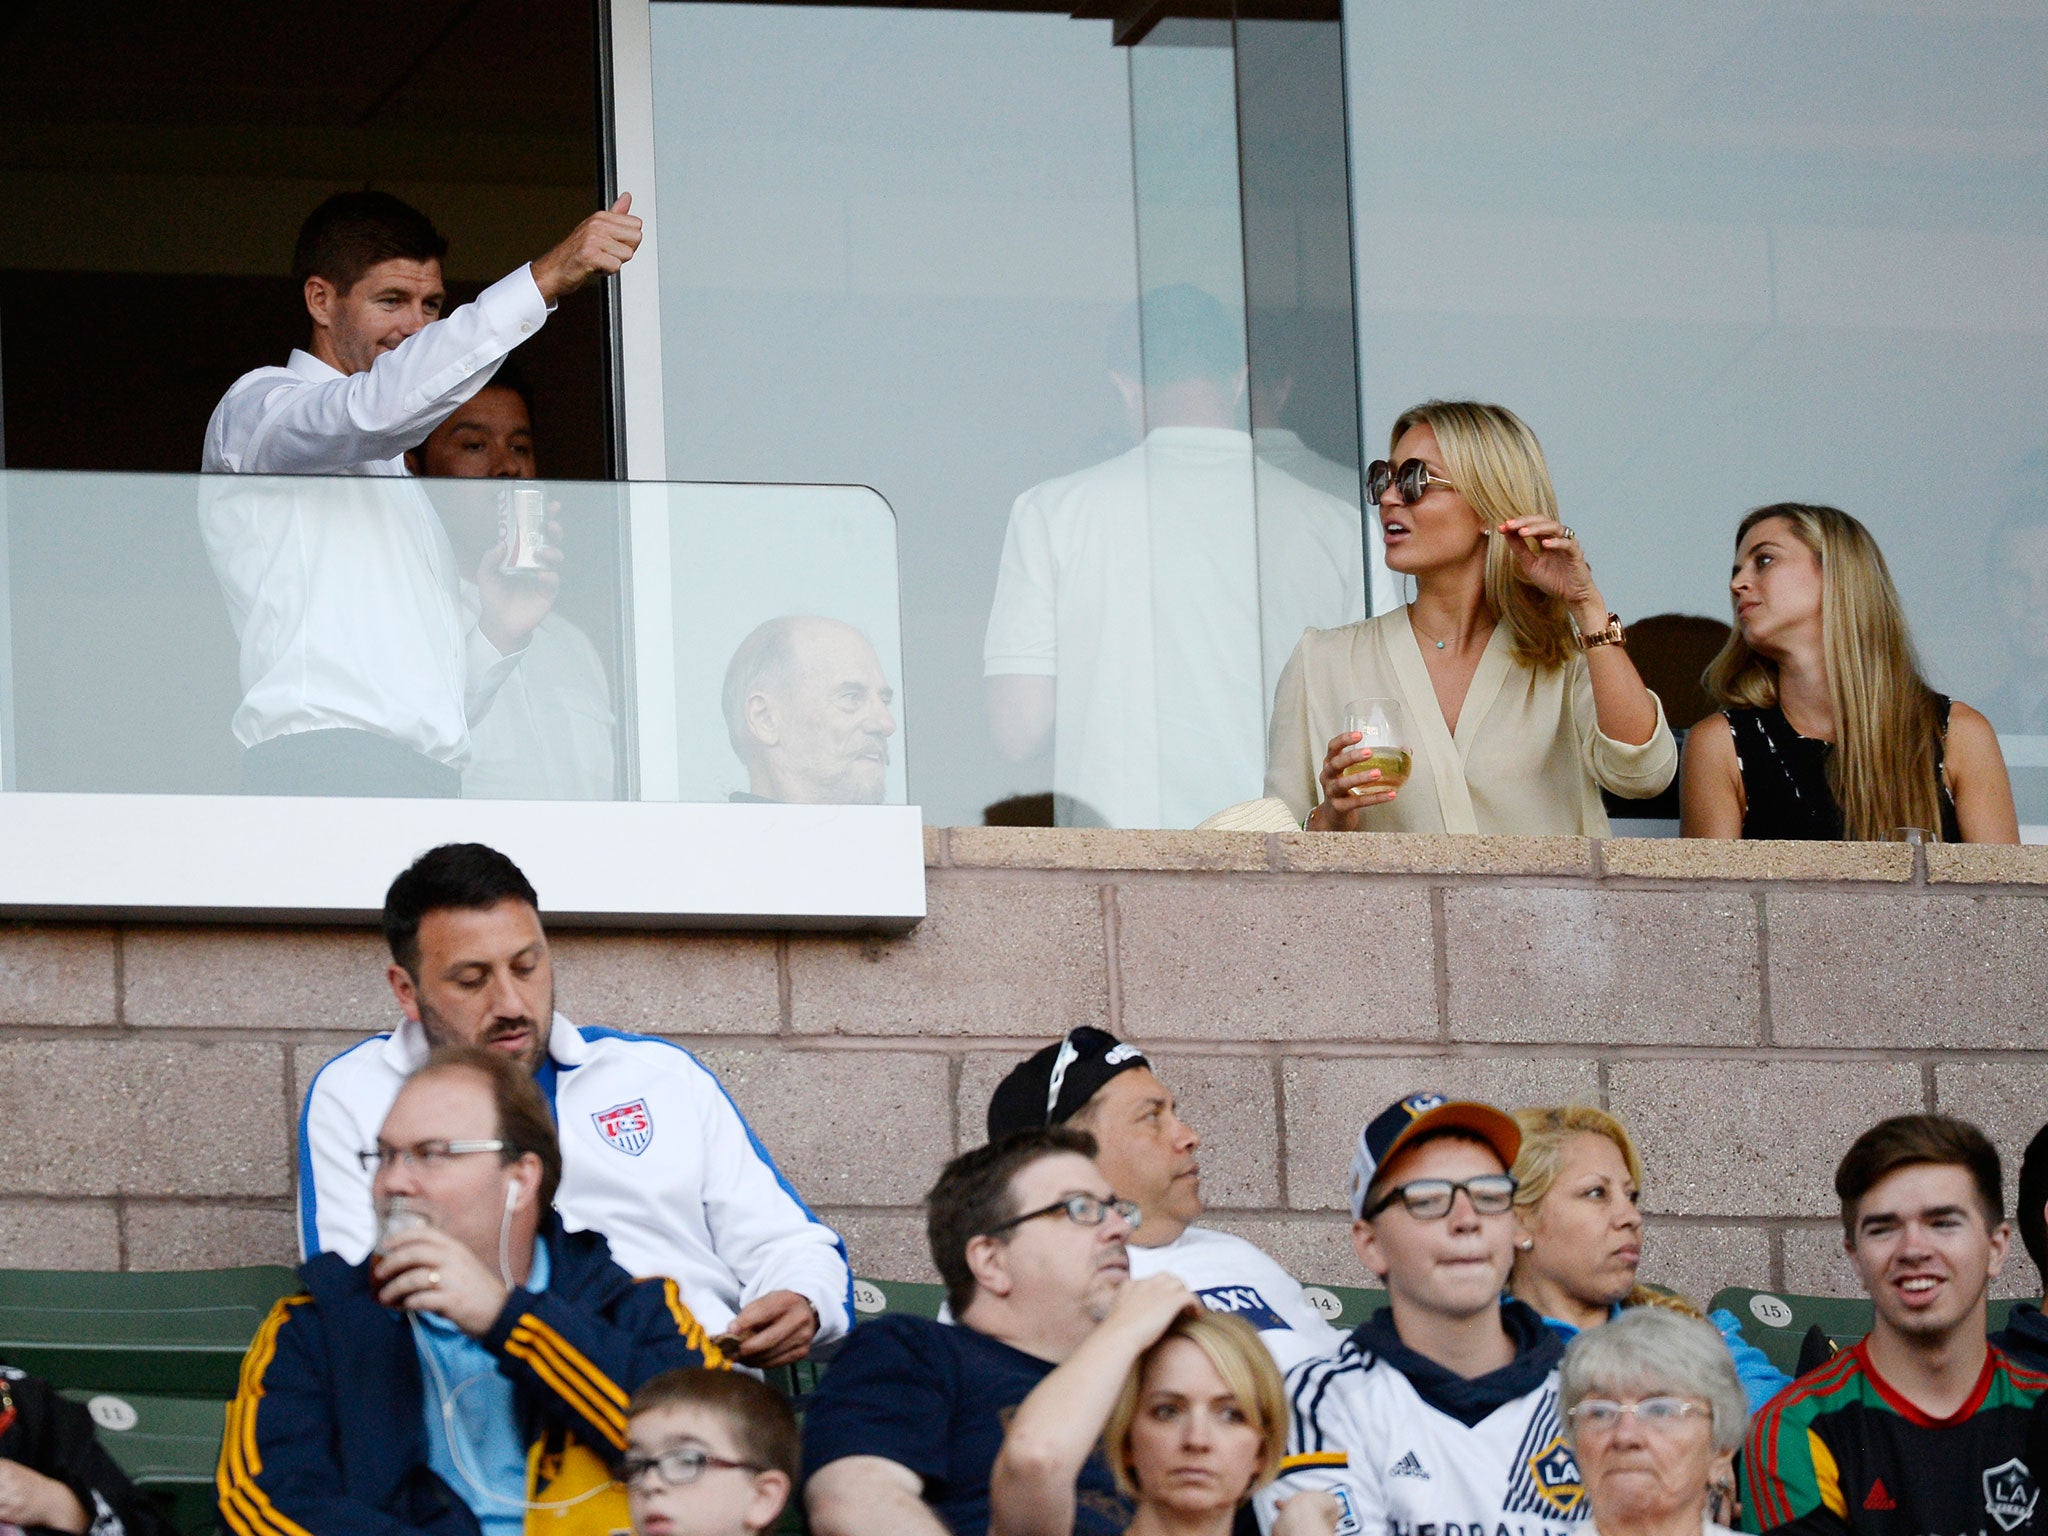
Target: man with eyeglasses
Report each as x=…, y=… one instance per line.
x=901, y=1436
x=477, y=1367
x=1443, y=1407
x=1105, y=1086
x=656, y=1156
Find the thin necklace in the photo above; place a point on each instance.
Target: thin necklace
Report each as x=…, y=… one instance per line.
x=1420, y=630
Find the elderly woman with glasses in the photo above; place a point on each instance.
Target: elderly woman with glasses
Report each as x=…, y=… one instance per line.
x=1500, y=700
x=1655, y=1414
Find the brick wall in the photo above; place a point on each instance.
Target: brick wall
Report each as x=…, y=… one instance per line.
x=1746, y=1008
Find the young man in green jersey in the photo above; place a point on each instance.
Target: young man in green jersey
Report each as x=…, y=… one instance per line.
x=1923, y=1427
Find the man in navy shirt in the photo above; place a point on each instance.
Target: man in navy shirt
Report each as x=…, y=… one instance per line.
x=902, y=1433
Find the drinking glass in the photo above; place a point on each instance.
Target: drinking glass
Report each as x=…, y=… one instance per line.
x=1380, y=726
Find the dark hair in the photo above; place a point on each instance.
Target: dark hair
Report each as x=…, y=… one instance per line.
x=468, y=876
x=352, y=231
x=973, y=1194
x=524, y=1123
x=511, y=376
x=755, y=1413
x=1906, y=1140
x=2033, y=1199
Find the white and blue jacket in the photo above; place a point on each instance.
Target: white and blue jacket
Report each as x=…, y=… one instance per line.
x=655, y=1156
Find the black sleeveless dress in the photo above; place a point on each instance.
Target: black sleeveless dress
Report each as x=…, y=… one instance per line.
x=1785, y=778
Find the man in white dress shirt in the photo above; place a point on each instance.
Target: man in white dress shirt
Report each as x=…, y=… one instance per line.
x=548, y=735
x=360, y=670
x=655, y=1155
x=1099, y=1084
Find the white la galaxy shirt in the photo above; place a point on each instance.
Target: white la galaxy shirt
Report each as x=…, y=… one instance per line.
x=1232, y=1275
x=1411, y=1449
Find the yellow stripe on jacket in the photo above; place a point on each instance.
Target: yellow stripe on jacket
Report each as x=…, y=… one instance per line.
x=243, y=1502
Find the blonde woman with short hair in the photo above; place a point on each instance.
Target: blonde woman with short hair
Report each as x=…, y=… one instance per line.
x=1579, y=1233
x=1184, y=1404
x=1827, y=729
x=1519, y=701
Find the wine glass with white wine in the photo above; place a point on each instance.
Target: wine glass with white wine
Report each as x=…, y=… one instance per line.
x=1380, y=727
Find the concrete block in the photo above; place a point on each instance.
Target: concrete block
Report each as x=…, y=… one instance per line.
x=997, y=956
x=1697, y=1261
x=2001, y=1098
x=143, y=1117
x=1276, y=960
x=257, y=978
x=1920, y=970
x=1986, y=864
x=1752, y=1138
x=60, y=1234
x=845, y=1127
x=1095, y=848
x=1707, y=858
x=885, y=1245
x=669, y=983
x=1602, y=966
x=1316, y=1250
x=1430, y=853
x=209, y=1236
x=1327, y=1101
x=1815, y=1264
x=56, y=975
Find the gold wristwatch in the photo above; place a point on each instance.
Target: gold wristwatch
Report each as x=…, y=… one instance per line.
x=1613, y=634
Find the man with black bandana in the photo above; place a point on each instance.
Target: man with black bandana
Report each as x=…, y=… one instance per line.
x=1441, y=1411
x=1102, y=1085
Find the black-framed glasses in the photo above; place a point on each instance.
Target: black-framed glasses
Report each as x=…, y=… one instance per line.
x=1412, y=476
x=1653, y=1413
x=679, y=1464
x=1431, y=1199
x=427, y=1155
x=1081, y=1210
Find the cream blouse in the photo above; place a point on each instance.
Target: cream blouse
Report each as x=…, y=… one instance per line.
x=1527, y=757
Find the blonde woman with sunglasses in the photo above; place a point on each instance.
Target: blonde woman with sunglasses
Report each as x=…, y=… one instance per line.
x=1517, y=698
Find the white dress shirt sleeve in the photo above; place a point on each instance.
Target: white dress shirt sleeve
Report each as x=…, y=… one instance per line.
x=761, y=1230
x=308, y=427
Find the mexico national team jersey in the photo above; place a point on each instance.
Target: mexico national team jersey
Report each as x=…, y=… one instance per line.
x=1412, y=1449
x=1839, y=1451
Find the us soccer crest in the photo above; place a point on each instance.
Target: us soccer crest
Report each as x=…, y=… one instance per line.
x=626, y=1126
x=2010, y=1494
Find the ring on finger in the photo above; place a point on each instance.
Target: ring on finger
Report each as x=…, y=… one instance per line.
x=433, y=1279
x=1568, y=534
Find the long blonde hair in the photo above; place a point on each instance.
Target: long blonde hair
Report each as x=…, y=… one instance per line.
x=1497, y=465
x=1545, y=1133
x=1246, y=1366
x=1887, y=723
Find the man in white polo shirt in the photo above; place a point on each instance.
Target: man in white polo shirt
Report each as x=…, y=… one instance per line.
x=359, y=669
x=654, y=1154
x=1097, y=1083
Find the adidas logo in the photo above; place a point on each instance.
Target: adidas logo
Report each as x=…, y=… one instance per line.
x=1877, y=1498
x=1408, y=1466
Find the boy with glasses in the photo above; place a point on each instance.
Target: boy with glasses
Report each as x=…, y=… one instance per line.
x=902, y=1434
x=1442, y=1408
x=708, y=1453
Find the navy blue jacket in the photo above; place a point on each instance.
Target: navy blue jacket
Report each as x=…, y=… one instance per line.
x=327, y=1433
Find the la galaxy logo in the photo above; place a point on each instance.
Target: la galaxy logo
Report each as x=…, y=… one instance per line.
x=2010, y=1494
x=1556, y=1474
x=626, y=1126
x=1243, y=1301
x=1544, y=1477
x=1420, y=1104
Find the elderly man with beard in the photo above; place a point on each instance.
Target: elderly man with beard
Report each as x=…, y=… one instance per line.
x=654, y=1154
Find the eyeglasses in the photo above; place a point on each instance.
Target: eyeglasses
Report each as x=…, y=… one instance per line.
x=1081, y=1210
x=1653, y=1413
x=679, y=1464
x=1412, y=476
x=1431, y=1199
x=427, y=1155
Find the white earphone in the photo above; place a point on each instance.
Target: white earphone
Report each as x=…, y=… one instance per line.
x=511, y=1195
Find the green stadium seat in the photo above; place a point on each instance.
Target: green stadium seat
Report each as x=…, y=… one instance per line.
x=1777, y=1322
x=173, y=1335
x=168, y=1445
x=1344, y=1306
x=873, y=1298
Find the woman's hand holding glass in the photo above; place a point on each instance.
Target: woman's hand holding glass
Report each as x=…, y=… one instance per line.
x=1365, y=765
